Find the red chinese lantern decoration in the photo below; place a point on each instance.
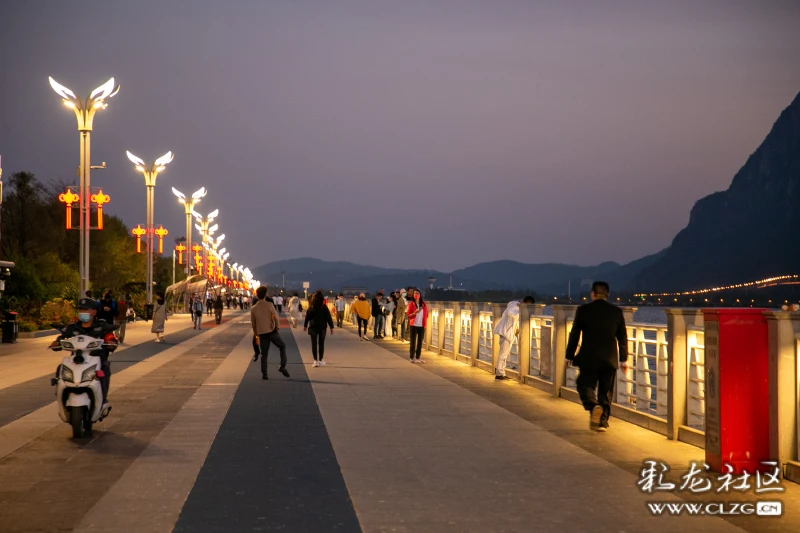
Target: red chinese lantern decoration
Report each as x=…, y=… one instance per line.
x=162, y=232
x=69, y=198
x=138, y=231
x=180, y=249
x=100, y=199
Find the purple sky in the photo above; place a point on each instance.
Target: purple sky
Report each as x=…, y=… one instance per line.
x=407, y=134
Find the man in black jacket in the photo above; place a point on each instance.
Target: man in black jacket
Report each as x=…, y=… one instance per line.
x=601, y=328
x=377, y=316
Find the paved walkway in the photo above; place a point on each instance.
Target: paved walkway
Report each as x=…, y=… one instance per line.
x=200, y=443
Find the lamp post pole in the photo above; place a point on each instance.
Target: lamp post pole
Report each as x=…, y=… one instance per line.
x=84, y=113
x=150, y=175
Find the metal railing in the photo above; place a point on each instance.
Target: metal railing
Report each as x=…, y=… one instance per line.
x=541, y=364
x=644, y=386
x=572, y=372
x=449, y=329
x=465, y=346
x=434, y=328
x=696, y=378
x=485, y=347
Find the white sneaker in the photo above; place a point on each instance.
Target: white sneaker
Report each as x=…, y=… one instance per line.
x=316, y=363
x=420, y=361
x=322, y=363
x=158, y=340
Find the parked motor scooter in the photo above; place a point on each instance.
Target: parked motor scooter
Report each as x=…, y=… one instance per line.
x=79, y=391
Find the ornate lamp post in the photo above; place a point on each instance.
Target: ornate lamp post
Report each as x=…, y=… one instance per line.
x=188, y=207
x=203, y=224
x=84, y=113
x=150, y=175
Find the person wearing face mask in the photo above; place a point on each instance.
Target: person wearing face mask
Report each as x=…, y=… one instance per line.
x=89, y=325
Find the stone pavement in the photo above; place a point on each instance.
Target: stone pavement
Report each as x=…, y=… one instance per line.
x=198, y=442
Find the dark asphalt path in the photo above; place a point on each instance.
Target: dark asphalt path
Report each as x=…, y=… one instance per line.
x=272, y=465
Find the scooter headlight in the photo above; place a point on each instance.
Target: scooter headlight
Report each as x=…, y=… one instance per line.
x=68, y=345
x=94, y=344
x=67, y=375
x=88, y=375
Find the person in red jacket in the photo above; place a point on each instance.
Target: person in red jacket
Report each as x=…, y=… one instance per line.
x=417, y=312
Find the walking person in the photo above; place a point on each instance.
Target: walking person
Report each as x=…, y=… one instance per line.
x=339, y=305
x=400, y=318
x=417, y=312
x=218, y=307
x=294, y=308
x=107, y=308
x=389, y=325
x=363, y=312
x=377, y=316
x=160, y=317
x=600, y=327
x=507, y=329
x=121, y=319
x=209, y=304
x=409, y=295
x=197, y=312
x=279, y=303
x=266, y=324
x=318, y=317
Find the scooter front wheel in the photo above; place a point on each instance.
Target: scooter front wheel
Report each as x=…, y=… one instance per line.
x=76, y=420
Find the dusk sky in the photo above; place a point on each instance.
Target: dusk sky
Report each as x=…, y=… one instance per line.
x=408, y=134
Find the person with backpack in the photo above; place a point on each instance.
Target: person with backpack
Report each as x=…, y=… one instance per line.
x=318, y=317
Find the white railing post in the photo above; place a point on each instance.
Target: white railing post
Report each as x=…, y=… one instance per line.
x=678, y=320
x=561, y=314
x=784, y=394
x=476, y=333
x=497, y=314
x=457, y=306
x=428, y=330
x=442, y=323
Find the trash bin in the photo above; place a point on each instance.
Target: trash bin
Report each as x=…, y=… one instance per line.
x=148, y=312
x=10, y=328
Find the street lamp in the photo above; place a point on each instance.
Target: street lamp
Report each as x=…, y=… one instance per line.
x=188, y=207
x=84, y=112
x=203, y=227
x=150, y=174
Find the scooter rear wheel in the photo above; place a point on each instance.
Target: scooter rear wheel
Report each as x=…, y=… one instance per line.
x=76, y=420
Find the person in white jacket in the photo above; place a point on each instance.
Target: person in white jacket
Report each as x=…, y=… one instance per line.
x=507, y=329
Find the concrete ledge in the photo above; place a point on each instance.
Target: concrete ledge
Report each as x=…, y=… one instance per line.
x=464, y=359
x=37, y=334
x=447, y=353
x=645, y=420
x=539, y=383
x=791, y=471
x=513, y=374
x=692, y=436
x=483, y=365
x=571, y=395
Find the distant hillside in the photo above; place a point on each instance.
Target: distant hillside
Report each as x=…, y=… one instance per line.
x=747, y=232
x=549, y=278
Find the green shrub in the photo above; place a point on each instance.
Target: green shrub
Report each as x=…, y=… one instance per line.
x=27, y=327
x=57, y=310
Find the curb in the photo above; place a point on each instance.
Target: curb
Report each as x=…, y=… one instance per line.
x=36, y=334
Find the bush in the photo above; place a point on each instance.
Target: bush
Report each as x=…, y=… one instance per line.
x=27, y=326
x=57, y=310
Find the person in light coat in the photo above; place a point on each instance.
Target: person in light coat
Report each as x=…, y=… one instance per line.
x=159, y=317
x=295, y=309
x=507, y=329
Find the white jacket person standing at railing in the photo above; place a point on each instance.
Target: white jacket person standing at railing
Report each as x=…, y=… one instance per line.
x=508, y=329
